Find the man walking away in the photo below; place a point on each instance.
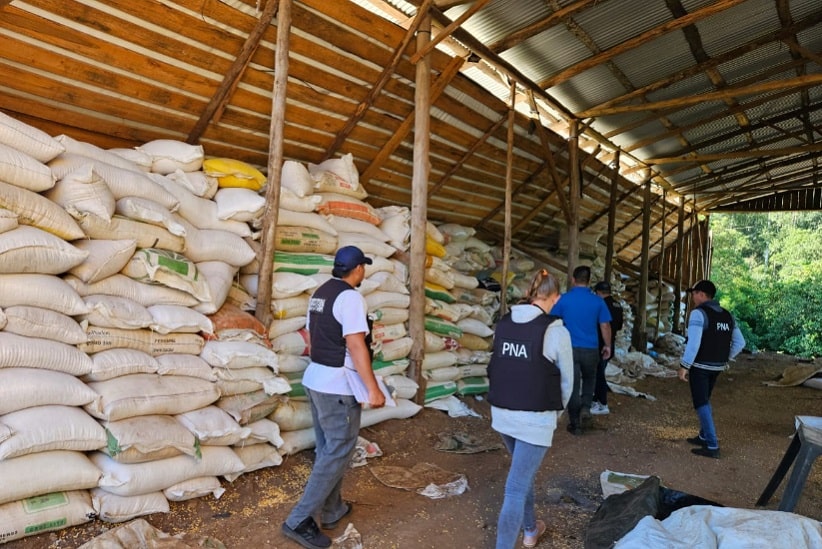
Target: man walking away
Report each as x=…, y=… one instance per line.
x=600, y=404
x=586, y=316
x=713, y=339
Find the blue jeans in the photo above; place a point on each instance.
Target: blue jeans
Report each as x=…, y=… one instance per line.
x=336, y=427
x=701, y=382
x=518, y=506
x=585, y=377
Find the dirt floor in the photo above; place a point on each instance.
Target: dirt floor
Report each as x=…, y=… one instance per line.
x=639, y=436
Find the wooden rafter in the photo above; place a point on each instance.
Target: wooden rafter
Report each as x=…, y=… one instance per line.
x=637, y=41
x=447, y=75
x=218, y=102
x=520, y=35
x=758, y=153
x=446, y=32
x=549, y=158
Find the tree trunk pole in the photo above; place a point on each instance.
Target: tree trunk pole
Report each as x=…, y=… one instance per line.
x=678, y=265
x=612, y=202
x=640, y=330
x=573, y=200
x=509, y=177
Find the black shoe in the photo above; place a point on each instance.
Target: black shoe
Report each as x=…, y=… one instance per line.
x=697, y=441
x=574, y=429
x=586, y=418
x=706, y=452
x=333, y=524
x=307, y=534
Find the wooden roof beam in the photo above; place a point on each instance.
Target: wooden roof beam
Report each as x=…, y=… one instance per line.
x=385, y=76
x=758, y=153
x=446, y=32
x=549, y=158
x=217, y=104
x=557, y=17
x=637, y=41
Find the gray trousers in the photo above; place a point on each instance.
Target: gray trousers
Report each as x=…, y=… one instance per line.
x=585, y=378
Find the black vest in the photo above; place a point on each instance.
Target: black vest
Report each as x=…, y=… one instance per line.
x=325, y=333
x=520, y=377
x=715, y=348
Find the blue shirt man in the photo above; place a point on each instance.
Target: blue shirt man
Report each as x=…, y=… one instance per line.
x=586, y=315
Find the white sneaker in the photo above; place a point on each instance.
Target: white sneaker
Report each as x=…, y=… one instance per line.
x=598, y=409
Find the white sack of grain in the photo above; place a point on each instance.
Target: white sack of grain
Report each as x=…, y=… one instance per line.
x=256, y=456
x=475, y=327
x=403, y=386
x=290, y=201
x=40, y=290
x=201, y=212
x=101, y=338
x=216, y=245
x=351, y=225
x=46, y=472
x=379, y=264
x=122, y=182
x=292, y=415
x=304, y=239
x=264, y=431
x=138, y=158
x=113, y=508
x=447, y=373
x=26, y=387
x=185, y=365
x=391, y=367
x=146, y=235
x=33, y=352
x=105, y=258
x=213, y=426
x=45, y=323
x=348, y=176
x=290, y=307
x=168, y=155
x=148, y=211
x=292, y=364
x=88, y=150
x=389, y=315
x=388, y=332
x=28, y=139
x=238, y=354
x=38, y=211
x=143, y=478
x=31, y=250
x=296, y=178
x=367, y=243
x=174, y=318
x=167, y=268
x=198, y=183
x=239, y=204
x=257, y=377
x=148, y=394
x=278, y=328
x=108, y=311
x=122, y=286
x=219, y=276
x=396, y=223
x=287, y=218
x=8, y=220
x=464, y=281
x=433, y=342
x=83, y=190
x=44, y=513
x=194, y=488
x=440, y=359
x=293, y=343
x=249, y=407
x=238, y=386
x=379, y=299
x=23, y=170
x=145, y=438
x=392, y=350
x=285, y=285
x=50, y=427
x=389, y=282
x=347, y=206
x=113, y=363
x=440, y=277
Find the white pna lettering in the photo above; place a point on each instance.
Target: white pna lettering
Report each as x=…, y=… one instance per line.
x=723, y=327
x=514, y=349
x=316, y=305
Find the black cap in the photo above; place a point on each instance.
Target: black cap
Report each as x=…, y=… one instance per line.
x=705, y=286
x=349, y=257
x=603, y=287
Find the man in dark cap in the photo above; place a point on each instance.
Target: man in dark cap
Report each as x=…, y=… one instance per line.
x=713, y=339
x=337, y=326
x=600, y=405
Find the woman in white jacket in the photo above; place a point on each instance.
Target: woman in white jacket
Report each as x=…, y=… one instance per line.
x=531, y=374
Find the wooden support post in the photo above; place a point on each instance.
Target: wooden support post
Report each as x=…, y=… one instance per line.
x=709, y=247
x=419, y=210
x=612, y=203
x=679, y=264
x=275, y=164
x=509, y=177
x=660, y=279
x=640, y=330
x=573, y=200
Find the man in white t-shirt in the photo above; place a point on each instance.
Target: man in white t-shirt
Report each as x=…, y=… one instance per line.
x=338, y=327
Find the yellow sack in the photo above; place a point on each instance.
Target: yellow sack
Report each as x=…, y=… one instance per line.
x=432, y=247
x=234, y=173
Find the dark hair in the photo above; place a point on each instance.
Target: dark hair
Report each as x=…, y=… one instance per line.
x=582, y=274
x=542, y=285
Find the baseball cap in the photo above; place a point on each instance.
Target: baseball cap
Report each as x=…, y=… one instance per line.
x=705, y=286
x=349, y=257
x=603, y=287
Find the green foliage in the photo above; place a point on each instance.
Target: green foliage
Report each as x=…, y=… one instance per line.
x=768, y=268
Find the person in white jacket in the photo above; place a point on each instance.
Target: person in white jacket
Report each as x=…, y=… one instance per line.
x=531, y=375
